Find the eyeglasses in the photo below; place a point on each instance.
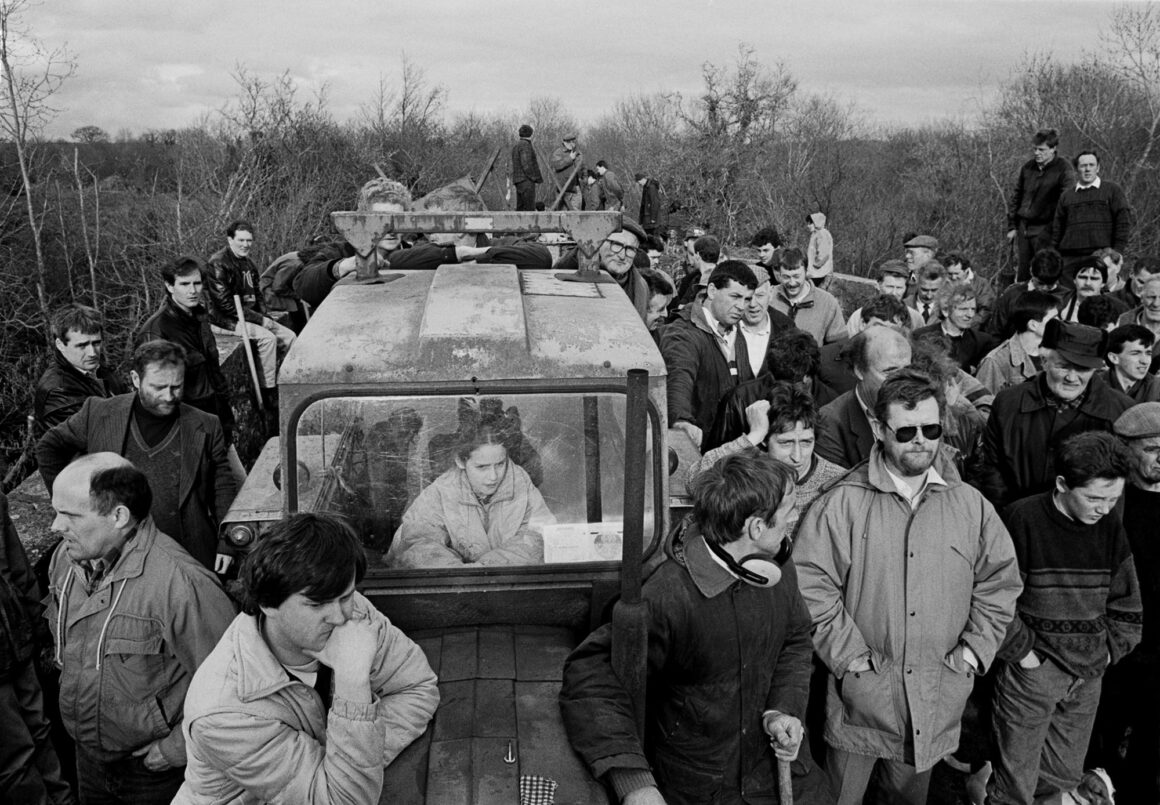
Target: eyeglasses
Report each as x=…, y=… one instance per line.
x=616, y=247
x=907, y=432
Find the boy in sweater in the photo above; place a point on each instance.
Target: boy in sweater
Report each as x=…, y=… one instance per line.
x=1079, y=611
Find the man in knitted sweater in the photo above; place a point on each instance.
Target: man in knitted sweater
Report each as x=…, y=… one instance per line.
x=1080, y=611
x=1092, y=215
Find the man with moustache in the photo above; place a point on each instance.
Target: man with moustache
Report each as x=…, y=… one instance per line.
x=181, y=448
x=1028, y=418
x=910, y=579
x=132, y=617
x=704, y=350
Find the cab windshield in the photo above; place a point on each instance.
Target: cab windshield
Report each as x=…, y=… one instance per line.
x=453, y=482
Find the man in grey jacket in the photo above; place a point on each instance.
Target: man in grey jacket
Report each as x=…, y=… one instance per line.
x=911, y=581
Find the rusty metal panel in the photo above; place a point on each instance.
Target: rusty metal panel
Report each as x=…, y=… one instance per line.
x=540, y=653
x=495, y=709
x=497, y=657
x=544, y=748
x=496, y=781
x=449, y=773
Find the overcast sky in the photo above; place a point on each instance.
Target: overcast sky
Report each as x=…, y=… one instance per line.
x=159, y=64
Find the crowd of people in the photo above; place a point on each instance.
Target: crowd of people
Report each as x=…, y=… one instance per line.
x=921, y=540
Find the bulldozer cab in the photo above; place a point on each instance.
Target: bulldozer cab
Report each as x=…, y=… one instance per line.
x=378, y=396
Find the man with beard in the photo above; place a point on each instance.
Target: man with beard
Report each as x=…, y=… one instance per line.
x=901, y=629
x=180, y=448
x=809, y=308
x=704, y=351
x=1028, y=418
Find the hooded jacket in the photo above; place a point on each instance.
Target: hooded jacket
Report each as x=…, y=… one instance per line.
x=128, y=650
x=820, y=251
x=255, y=734
x=910, y=588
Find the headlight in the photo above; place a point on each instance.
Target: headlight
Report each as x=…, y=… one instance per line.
x=240, y=535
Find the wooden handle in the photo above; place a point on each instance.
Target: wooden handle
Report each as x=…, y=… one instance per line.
x=784, y=782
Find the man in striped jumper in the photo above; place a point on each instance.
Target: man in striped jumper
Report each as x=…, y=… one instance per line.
x=1079, y=612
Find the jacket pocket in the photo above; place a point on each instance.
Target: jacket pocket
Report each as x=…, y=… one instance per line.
x=136, y=676
x=868, y=697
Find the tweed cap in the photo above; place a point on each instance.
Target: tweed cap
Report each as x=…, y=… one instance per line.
x=924, y=241
x=895, y=268
x=1082, y=345
x=1139, y=421
x=569, y=136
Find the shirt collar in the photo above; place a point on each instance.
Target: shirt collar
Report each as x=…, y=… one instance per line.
x=1095, y=184
x=763, y=330
x=714, y=325
x=932, y=479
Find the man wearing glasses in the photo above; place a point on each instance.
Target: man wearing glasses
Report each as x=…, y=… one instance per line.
x=1031, y=208
x=911, y=581
x=616, y=255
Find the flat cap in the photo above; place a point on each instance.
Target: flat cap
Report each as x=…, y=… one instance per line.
x=895, y=268
x=1139, y=421
x=925, y=241
x=629, y=225
x=1082, y=345
x=569, y=136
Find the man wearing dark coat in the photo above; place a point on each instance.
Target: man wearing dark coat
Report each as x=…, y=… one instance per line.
x=728, y=659
x=77, y=371
x=180, y=449
x=650, y=205
x=525, y=170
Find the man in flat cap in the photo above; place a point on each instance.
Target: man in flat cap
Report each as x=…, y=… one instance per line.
x=525, y=170
x=1028, y=419
x=616, y=255
x=563, y=161
x=1131, y=699
x=920, y=250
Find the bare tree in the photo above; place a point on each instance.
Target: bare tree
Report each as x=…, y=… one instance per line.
x=32, y=75
x=90, y=134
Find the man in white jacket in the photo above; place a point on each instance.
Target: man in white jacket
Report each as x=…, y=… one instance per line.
x=311, y=691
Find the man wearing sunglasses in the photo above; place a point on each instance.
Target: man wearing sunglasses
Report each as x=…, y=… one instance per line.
x=898, y=561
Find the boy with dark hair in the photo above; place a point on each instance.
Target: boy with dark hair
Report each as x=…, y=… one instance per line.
x=1101, y=311
x=1128, y=357
x=728, y=657
x=311, y=691
x=1046, y=269
x=1079, y=611
x=1017, y=359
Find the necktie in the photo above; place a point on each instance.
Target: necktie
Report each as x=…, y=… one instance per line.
x=925, y=311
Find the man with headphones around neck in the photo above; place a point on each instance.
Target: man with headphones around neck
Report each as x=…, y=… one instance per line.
x=729, y=658
x=911, y=581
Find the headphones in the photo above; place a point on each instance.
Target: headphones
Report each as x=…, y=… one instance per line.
x=758, y=569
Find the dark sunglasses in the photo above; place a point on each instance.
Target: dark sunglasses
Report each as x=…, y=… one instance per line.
x=907, y=432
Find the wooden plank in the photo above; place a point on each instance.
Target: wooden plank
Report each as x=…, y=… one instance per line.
x=487, y=170
x=496, y=782
x=497, y=655
x=405, y=780
x=495, y=709
x=449, y=774
x=455, y=717
x=460, y=656
x=546, y=168
x=540, y=654
x=543, y=746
